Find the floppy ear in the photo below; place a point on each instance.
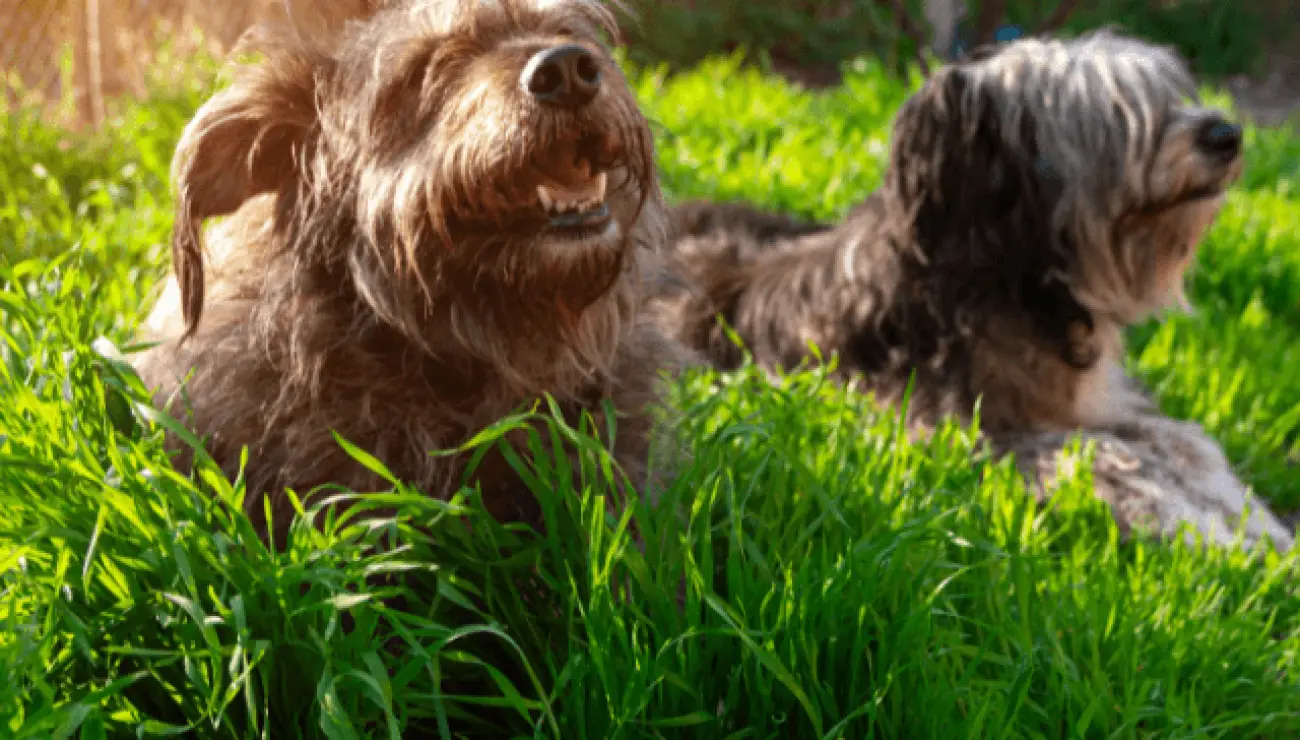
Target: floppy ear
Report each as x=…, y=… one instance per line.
x=246, y=140
x=980, y=200
x=963, y=171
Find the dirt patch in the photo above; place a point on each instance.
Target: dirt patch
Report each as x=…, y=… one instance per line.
x=807, y=76
x=1273, y=97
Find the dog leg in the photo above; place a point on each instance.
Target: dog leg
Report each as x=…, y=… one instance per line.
x=1156, y=473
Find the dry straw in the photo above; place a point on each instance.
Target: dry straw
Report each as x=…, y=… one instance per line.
x=73, y=58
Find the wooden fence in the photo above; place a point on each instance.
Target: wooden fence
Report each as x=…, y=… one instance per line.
x=73, y=56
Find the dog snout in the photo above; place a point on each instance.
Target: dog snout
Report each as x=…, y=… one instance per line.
x=1219, y=137
x=566, y=76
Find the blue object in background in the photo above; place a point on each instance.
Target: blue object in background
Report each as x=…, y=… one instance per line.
x=960, y=45
x=1007, y=33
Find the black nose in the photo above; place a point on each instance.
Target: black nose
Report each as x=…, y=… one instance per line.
x=566, y=76
x=1220, y=138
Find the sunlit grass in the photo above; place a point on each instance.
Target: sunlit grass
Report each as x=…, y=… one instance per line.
x=811, y=574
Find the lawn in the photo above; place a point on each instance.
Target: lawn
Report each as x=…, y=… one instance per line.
x=812, y=574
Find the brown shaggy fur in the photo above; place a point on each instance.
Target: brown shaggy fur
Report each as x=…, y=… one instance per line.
x=389, y=269
x=1039, y=198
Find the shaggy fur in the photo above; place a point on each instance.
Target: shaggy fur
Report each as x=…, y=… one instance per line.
x=394, y=266
x=1155, y=473
x=1039, y=198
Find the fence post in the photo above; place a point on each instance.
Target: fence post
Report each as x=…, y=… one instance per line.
x=95, y=58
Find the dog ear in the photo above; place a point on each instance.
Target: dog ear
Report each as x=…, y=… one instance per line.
x=980, y=198
x=963, y=165
x=923, y=134
x=244, y=141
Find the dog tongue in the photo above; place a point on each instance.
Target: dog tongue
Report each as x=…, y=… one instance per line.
x=567, y=173
x=568, y=182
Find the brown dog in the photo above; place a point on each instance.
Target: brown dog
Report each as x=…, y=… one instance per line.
x=1039, y=198
x=439, y=216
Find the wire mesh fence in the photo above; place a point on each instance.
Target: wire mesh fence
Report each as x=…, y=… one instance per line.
x=71, y=57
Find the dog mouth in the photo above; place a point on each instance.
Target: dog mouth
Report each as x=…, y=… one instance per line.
x=1209, y=192
x=576, y=204
x=1203, y=194
x=572, y=191
x=1216, y=188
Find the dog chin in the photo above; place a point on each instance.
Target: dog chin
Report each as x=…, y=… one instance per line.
x=567, y=242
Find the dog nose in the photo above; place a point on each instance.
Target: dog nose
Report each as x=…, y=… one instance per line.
x=1220, y=137
x=567, y=76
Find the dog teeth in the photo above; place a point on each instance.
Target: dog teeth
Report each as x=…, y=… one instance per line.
x=560, y=200
x=544, y=197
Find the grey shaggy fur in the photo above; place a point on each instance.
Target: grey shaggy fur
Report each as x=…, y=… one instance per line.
x=1039, y=198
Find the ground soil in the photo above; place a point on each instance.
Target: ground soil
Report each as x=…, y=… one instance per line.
x=1274, y=97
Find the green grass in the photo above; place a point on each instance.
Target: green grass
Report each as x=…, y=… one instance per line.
x=811, y=574
x=1219, y=39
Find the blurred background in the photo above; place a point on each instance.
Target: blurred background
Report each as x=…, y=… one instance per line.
x=76, y=57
